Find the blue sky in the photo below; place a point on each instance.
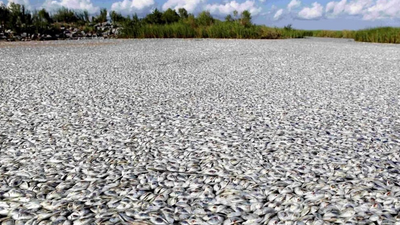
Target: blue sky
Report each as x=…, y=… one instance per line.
x=302, y=14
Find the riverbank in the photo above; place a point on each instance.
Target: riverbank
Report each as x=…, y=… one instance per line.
x=221, y=31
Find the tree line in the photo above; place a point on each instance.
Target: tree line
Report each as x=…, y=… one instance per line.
x=157, y=24
x=18, y=19
x=181, y=24
x=168, y=24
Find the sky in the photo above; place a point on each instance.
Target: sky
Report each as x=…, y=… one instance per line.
x=301, y=14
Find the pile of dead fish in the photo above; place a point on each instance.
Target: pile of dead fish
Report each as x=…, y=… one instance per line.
x=199, y=132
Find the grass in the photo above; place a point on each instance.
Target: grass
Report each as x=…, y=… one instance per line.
x=377, y=34
x=233, y=30
x=227, y=30
x=183, y=30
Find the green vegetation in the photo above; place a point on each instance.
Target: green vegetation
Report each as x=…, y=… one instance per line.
x=181, y=24
x=170, y=24
x=378, y=35
x=15, y=21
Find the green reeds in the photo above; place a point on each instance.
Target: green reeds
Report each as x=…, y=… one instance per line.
x=235, y=30
x=379, y=35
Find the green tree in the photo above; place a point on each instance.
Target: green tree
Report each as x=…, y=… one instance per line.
x=235, y=14
x=170, y=16
x=135, y=18
x=205, y=18
x=288, y=27
x=45, y=16
x=156, y=17
x=191, y=20
x=14, y=19
x=26, y=19
x=22, y=14
x=4, y=16
x=246, y=18
x=86, y=16
x=41, y=20
x=36, y=21
x=228, y=18
x=116, y=17
x=65, y=15
x=131, y=27
x=102, y=17
x=183, y=13
x=82, y=17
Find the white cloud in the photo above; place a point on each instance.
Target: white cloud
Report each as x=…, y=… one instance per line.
x=368, y=9
x=71, y=4
x=262, y=1
x=270, y=12
x=189, y=5
x=293, y=4
x=229, y=7
x=383, y=9
x=311, y=13
x=278, y=14
x=133, y=6
x=26, y=3
x=357, y=7
x=335, y=8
